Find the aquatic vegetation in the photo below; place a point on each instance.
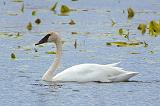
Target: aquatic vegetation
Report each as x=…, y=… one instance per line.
x=75, y=44
x=130, y=13
x=72, y=22
x=33, y=13
x=64, y=9
x=134, y=53
x=123, y=44
x=29, y=26
x=51, y=52
x=73, y=33
x=54, y=7
x=17, y=0
x=113, y=22
x=13, y=56
x=120, y=31
x=154, y=28
x=22, y=8
x=142, y=28
x=124, y=33
x=37, y=21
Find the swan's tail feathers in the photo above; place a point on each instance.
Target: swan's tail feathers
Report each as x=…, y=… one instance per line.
x=123, y=77
x=113, y=64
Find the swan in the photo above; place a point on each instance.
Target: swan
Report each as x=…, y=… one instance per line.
x=83, y=72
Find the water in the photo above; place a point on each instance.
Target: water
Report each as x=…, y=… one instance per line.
x=20, y=79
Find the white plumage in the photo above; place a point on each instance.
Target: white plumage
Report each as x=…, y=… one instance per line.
x=82, y=72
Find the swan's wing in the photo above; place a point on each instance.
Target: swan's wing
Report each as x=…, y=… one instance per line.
x=113, y=64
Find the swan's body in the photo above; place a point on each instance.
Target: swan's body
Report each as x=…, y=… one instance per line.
x=83, y=72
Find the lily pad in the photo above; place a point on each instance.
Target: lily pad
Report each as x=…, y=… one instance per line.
x=142, y=28
x=54, y=7
x=120, y=31
x=52, y=52
x=29, y=26
x=154, y=28
x=33, y=13
x=130, y=13
x=113, y=22
x=64, y=9
x=22, y=8
x=37, y=21
x=123, y=44
x=71, y=22
x=17, y=1
x=13, y=56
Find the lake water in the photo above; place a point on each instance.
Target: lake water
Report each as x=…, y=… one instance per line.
x=20, y=78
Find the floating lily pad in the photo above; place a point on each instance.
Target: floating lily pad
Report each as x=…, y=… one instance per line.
x=33, y=13
x=37, y=21
x=54, y=7
x=64, y=9
x=120, y=31
x=154, y=28
x=74, y=33
x=71, y=22
x=52, y=52
x=113, y=22
x=142, y=28
x=22, y=8
x=123, y=44
x=17, y=1
x=29, y=26
x=130, y=13
x=13, y=56
x=134, y=53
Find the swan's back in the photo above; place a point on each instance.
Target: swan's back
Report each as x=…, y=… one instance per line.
x=94, y=72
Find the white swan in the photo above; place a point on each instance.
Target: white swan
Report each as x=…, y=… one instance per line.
x=82, y=72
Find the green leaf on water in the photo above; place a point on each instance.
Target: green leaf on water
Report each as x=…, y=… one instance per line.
x=37, y=21
x=17, y=1
x=120, y=31
x=130, y=13
x=22, y=8
x=33, y=13
x=13, y=56
x=134, y=53
x=54, y=7
x=154, y=28
x=113, y=22
x=52, y=52
x=142, y=28
x=64, y=9
x=29, y=26
x=123, y=44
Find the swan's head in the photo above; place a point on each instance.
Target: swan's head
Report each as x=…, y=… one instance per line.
x=50, y=37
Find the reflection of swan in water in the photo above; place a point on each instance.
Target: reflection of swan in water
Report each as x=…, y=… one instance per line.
x=82, y=72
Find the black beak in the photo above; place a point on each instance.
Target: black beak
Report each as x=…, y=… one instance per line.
x=43, y=40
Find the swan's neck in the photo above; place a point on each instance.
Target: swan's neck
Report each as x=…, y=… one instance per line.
x=50, y=72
